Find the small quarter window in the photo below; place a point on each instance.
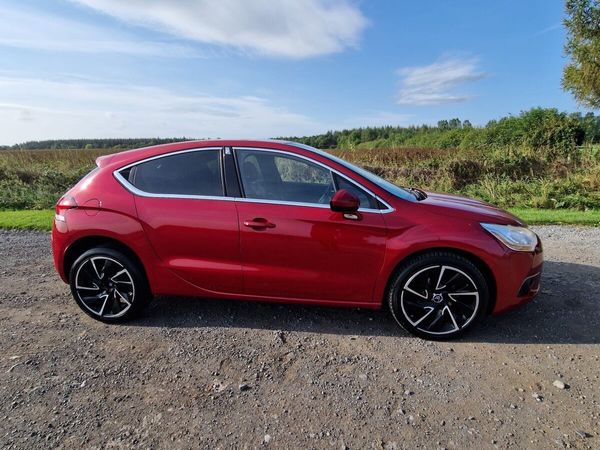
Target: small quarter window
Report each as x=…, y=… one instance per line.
x=366, y=200
x=189, y=173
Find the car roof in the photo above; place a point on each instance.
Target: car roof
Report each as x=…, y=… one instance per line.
x=131, y=156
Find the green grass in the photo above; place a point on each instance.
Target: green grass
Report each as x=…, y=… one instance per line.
x=42, y=219
x=558, y=216
x=27, y=219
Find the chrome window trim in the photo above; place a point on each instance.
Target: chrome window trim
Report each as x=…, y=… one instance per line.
x=388, y=209
x=304, y=204
x=134, y=190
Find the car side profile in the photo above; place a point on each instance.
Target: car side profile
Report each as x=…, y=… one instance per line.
x=283, y=222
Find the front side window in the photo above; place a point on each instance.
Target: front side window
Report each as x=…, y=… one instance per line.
x=190, y=173
x=274, y=176
x=397, y=191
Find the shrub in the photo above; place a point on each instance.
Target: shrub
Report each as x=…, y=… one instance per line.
x=515, y=166
x=463, y=172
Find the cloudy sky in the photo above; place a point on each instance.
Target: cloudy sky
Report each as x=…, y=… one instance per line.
x=265, y=68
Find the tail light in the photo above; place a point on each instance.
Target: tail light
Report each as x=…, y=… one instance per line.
x=66, y=202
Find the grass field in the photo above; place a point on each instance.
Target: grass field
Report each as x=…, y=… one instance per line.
x=540, y=184
x=42, y=219
x=509, y=178
x=27, y=219
x=558, y=216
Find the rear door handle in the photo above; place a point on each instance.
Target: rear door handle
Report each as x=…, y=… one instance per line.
x=258, y=223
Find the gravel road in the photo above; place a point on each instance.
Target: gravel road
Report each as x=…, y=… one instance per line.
x=197, y=373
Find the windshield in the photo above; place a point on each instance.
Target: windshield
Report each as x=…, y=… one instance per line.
x=383, y=184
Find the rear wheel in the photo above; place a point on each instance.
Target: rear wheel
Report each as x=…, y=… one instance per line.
x=438, y=295
x=108, y=286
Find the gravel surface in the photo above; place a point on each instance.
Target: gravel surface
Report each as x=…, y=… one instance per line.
x=197, y=373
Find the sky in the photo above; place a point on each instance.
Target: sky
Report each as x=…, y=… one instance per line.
x=268, y=68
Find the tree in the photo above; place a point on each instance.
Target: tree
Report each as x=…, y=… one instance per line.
x=581, y=76
x=454, y=123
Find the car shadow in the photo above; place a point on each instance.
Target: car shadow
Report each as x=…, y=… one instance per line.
x=567, y=311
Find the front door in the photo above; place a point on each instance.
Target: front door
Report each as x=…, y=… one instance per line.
x=292, y=245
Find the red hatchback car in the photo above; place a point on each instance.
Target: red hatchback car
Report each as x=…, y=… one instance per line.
x=280, y=221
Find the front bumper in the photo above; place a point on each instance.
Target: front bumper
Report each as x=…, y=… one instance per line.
x=518, y=279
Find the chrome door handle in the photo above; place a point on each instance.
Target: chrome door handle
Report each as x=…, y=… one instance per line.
x=258, y=223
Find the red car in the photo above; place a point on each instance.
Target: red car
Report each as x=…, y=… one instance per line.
x=280, y=221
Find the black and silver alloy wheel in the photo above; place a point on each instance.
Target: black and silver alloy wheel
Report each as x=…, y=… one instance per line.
x=438, y=295
x=107, y=285
x=104, y=287
x=439, y=299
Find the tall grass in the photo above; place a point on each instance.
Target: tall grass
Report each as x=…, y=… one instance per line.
x=35, y=179
x=509, y=177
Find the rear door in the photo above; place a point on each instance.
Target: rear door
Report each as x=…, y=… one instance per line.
x=292, y=245
x=191, y=224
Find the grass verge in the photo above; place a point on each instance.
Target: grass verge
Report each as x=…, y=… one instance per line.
x=558, y=216
x=42, y=219
x=27, y=219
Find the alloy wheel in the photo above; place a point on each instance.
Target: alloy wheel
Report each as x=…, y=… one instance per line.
x=104, y=287
x=439, y=300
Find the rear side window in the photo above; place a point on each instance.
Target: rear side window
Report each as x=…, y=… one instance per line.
x=190, y=173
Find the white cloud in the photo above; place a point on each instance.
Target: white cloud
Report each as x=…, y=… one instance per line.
x=288, y=28
x=32, y=29
x=33, y=108
x=556, y=26
x=436, y=83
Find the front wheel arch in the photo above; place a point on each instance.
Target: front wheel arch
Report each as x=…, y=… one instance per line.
x=478, y=262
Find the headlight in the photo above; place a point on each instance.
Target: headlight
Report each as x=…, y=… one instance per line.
x=516, y=238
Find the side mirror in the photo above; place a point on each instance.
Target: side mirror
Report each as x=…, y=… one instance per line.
x=344, y=201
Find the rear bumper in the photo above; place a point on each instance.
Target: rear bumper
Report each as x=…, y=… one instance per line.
x=59, y=243
x=518, y=279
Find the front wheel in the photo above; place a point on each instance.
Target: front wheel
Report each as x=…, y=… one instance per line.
x=108, y=286
x=438, y=295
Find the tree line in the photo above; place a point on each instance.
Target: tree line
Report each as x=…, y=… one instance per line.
x=536, y=128
x=107, y=143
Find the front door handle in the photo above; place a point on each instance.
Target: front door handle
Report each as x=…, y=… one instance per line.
x=258, y=223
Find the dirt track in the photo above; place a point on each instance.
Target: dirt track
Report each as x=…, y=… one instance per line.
x=310, y=377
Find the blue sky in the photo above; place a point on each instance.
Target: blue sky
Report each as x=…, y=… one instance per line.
x=265, y=68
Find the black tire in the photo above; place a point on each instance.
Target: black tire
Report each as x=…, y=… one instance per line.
x=438, y=295
x=108, y=285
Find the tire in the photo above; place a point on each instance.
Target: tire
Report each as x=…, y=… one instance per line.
x=438, y=295
x=108, y=285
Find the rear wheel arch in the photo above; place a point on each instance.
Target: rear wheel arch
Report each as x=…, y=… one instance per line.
x=81, y=245
x=478, y=262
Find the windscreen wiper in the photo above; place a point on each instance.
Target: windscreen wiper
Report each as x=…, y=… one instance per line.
x=418, y=193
